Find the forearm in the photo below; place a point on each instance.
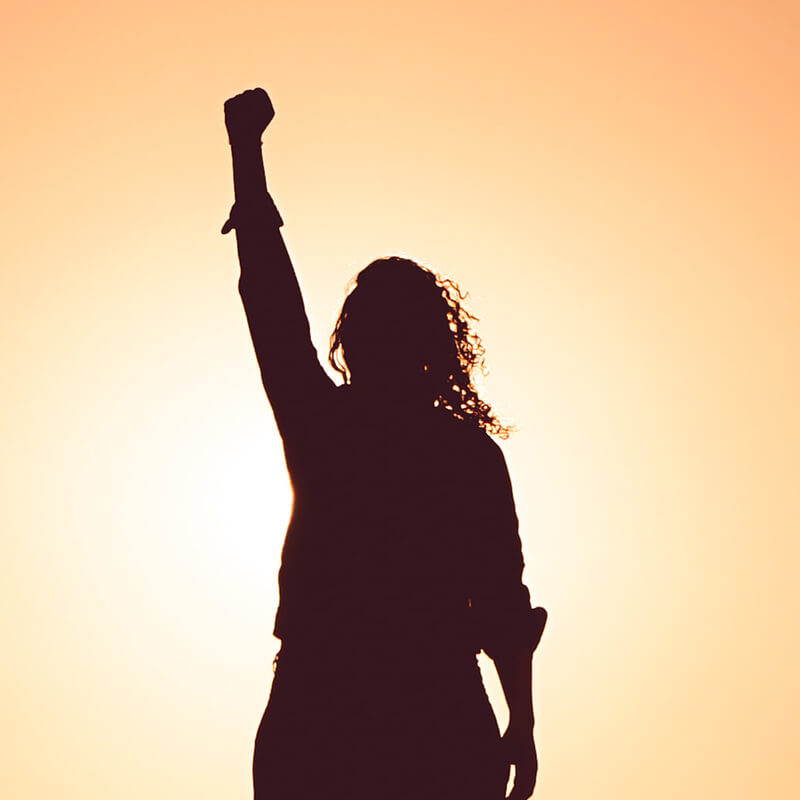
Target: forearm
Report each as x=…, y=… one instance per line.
x=266, y=266
x=515, y=668
x=516, y=673
x=267, y=284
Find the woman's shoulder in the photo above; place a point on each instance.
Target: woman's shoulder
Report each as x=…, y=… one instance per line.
x=469, y=436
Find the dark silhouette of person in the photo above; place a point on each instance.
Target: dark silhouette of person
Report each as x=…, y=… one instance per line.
x=402, y=559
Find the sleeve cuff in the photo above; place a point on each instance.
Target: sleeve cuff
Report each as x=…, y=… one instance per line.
x=522, y=632
x=261, y=211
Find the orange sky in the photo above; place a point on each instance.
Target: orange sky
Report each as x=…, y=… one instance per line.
x=617, y=186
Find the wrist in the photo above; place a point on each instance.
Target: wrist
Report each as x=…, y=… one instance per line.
x=521, y=722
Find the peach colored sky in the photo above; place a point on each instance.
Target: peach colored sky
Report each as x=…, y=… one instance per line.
x=617, y=186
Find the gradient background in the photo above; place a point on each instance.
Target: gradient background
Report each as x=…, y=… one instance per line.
x=617, y=186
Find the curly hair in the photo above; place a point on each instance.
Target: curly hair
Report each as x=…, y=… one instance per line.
x=388, y=292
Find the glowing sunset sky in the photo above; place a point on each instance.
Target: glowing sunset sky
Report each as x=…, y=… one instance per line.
x=617, y=186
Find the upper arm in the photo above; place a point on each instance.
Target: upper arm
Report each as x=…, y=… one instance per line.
x=499, y=598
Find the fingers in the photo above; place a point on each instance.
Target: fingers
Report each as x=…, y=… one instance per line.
x=526, y=767
x=247, y=114
x=258, y=92
x=523, y=785
x=252, y=99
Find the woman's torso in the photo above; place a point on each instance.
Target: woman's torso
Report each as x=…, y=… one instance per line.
x=380, y=539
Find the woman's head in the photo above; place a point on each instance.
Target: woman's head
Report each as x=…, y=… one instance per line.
x=402, y=329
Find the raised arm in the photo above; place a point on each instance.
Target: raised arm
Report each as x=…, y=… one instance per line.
x=292, y=375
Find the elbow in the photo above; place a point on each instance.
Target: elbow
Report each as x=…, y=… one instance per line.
x=509, y=632
x=246, y=287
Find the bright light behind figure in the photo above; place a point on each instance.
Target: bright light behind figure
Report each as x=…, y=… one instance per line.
x=617, y=183
x=245, y=489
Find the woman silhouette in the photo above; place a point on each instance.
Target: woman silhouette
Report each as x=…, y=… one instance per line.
x=402, y=558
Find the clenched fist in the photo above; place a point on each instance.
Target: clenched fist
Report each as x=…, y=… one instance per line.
x=247, y=115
